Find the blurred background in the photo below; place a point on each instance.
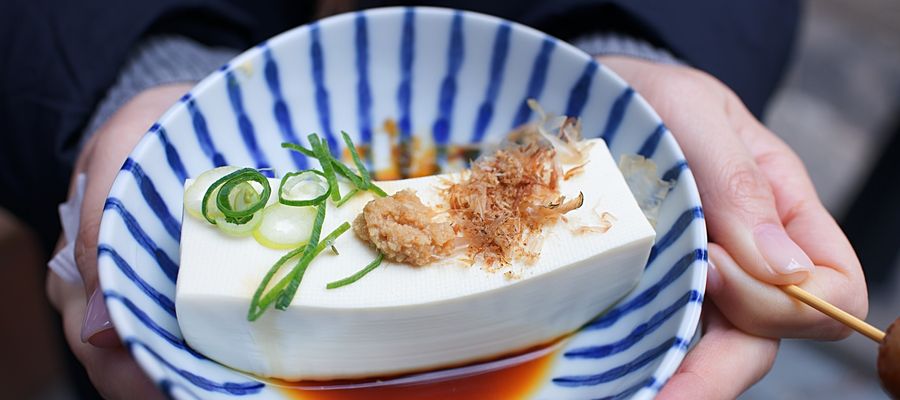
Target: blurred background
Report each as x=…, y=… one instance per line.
x=839, y=108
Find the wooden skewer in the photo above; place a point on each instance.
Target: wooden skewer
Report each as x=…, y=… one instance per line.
x=840, y=315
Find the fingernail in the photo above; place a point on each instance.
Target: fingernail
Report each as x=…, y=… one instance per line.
x=781, y=253
x=96, y=318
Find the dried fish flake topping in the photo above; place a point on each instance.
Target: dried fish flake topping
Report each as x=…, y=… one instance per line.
x=501, y=206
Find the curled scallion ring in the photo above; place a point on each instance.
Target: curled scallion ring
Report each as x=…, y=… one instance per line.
x=310, y=182
x=222, y=189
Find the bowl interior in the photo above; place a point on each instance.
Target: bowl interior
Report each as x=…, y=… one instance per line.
x=427, y=80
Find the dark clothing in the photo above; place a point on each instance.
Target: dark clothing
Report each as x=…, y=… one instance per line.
x=60, y=57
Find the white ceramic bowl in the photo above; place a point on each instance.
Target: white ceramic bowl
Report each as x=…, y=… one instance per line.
x=446, y=77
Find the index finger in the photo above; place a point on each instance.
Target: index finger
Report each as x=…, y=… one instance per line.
x=804, y=217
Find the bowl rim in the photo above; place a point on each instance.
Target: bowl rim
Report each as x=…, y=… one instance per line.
x=689, y=325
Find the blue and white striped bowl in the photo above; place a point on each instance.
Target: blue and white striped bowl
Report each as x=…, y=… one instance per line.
x=446, y=77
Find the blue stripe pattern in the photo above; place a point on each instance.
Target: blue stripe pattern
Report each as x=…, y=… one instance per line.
x=647, y=295
x=580, y=91
x=164, y=301
x=152, y=325
x=498, y=62
x=280, y=109
x=627, y=393
x=639, y=332
x=168, y=386
x=168, y=267
x=649, y=147
x=616, y=115
x=202, y=132
x=622, y=370
x=455, y=54
x=154, y=200
x=245, y=126
x=626, y=350
x=681, y=224
x=536, y=81
x=404, y=92
x=363, y=92
x=318, y=76
x=172, y=156
x=233, y=388
x=672, y=173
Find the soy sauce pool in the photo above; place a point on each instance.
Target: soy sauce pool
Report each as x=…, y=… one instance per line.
x=516, y=377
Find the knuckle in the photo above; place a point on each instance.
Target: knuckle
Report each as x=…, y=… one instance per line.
x=796, y=210
x=780, y=157
x=744, y=187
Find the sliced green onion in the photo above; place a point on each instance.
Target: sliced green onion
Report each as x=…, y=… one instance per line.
x=300, y=149
x=284, y=300
x=193, y=194
x=305, y=188
x=239, y=180
x=338, y=166
x=284, y=227
x=222, y=189
x=323, y=154
x=330, y=239
x=346, y=197
x=377, y=190
x=346, y=172
x=243, y=196
x=239, y=230
x=357, y=276
x=260, y=302
x=363, y=172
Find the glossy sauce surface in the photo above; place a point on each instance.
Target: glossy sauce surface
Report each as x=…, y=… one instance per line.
x=518, y=381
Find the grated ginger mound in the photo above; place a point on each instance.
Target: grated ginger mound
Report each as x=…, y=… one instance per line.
x=402, y=228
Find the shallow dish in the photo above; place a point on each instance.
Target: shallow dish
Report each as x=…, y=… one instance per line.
x=438, y=78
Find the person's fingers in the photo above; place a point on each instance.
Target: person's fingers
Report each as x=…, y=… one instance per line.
x=111, y=145
x=738, y=296
x=112, y=370
x=803, y=215
x=724, y=364
x=736, y=195
x=738, y=201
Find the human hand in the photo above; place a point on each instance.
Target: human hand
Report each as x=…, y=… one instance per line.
x=766, y=226
x=723, y=364
x=88, y=330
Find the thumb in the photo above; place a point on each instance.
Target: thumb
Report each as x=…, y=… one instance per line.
x=96, y=327
x=103, y=159
x=744, y=220
x=737, y=198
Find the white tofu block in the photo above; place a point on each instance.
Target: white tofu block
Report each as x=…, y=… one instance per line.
x=399, y=318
